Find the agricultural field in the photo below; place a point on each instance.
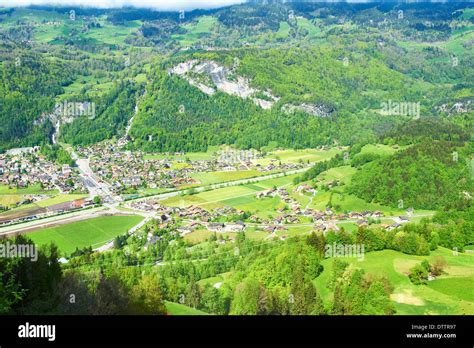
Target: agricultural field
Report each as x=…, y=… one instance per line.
x=381, y=149
x=298, y=156
x=59, y=199
x=94, y=232
x=209, y=178
x=34, y=189
x=240, y=197
x=192, y=156
x=196, y=31
x=37, y=207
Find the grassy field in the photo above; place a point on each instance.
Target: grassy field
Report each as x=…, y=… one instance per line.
x=179, y=309
x=196, y=31
x=240, y=197
x=113, y=34
x=34, y=208
x=33, y=189
x=295, y=156
x=93, y=232
x=379, y=149
x=445, y=295
x=59, y=199
x=208, y=178
x=192, y=156
x=10, y=200
x=342, y=174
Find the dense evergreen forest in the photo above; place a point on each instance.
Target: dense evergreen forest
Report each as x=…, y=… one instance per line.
x=428, y=175
x=29, y=85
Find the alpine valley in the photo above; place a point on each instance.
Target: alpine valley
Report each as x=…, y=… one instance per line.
x=283, y=158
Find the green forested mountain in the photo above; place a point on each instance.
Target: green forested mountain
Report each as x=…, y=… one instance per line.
x=112, y=115
x=178, y=116
x=29, y=85
x=428, y=175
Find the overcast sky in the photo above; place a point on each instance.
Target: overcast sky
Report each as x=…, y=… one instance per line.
x=156, y=4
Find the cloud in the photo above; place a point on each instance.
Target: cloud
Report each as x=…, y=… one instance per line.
x=154, y=4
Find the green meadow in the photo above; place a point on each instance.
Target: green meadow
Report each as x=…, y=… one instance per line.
x=174, y=308
x=239, y=197
x=208, y=178
x=448, y=294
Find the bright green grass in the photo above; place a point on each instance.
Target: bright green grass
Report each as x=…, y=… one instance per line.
x=378, y=149
x=295, y=156
x=113, y=34
x=192, y=156
x=59, y=199
x=240, y=197
x=348, y=226
x=208, y=178
x=210, y=281
x=342, y=174
x=283, y=31
x=348, y=202
x=206, y=199
x=459, y=287
x=94, y=232
x=179, y=309
x=198, y=236
x=263, y=208
x=295, y=231
x=409, y=298
x=456, y=43
x=196, y=30
x=33, y=189
x=313, y=31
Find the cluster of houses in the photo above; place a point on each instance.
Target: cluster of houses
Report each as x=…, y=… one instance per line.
x=26, y=167
x=294, y=205
x=194, y=218
x=125, y=169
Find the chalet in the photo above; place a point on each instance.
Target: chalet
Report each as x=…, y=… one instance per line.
x=393, y=226
x=151, y=241
x=237, y=227
x=183, y=230
x=270, y=229
x=215, y=226
x=254, y=218
x=403, y=219
x=78, y=204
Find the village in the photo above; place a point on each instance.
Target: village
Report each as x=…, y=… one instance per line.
x=224, y=220
x=127, y=171
x=25, y=167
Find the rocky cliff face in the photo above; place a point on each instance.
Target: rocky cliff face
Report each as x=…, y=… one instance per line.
x=214, y=77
